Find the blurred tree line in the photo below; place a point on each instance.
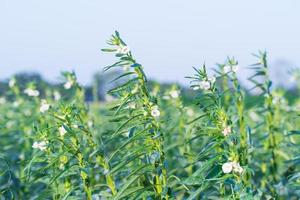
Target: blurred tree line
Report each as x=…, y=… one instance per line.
x=101, y=83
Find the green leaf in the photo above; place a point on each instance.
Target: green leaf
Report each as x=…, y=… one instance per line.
x=124, y=188
x=121, y=76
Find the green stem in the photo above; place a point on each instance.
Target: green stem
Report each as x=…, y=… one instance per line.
x=160, y=182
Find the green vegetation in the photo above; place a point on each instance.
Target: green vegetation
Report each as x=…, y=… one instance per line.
x=147, y=140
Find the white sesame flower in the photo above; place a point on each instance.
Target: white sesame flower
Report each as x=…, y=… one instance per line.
x=2, y=100
x=196, y=88
x=126, y=68
x=237, y=168
x=62, y=131
x=235, y=68
x=31, y=92
x=212, y=79
x=155, y=112
x=204, y=85
x=40, y=145
x=68, y=84
x=44, y=106
x=174, y=94
x=227, y=69
x=123, y=50
x=227, y=167
x=226, y=131
x=56, y=95
x=90, y=124
x=232, y=166
x=35, y=145
x=11, y=83
x=190, y=112
x=131, y=105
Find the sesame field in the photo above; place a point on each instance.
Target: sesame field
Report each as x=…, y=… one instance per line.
x=213, y=139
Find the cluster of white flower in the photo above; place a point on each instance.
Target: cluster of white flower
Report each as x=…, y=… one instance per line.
x=155, y=111
x=44, y=106
x=228, y=68
x=226, y=131
x=123, y=50
x=62, y=131
x=279, y=100
x=12, y=83
x=174, y=94
x=40, y=145
x=31, y=92
x=206, y=85
x=232, y=166
x=68, y=84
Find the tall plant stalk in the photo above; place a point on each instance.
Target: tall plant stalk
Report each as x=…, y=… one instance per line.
x=145, y=111
x=270, y=144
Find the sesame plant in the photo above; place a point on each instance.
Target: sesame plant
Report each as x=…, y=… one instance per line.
x=220, y=172
x=215, y=139
x=276, y=140
x=144, y=169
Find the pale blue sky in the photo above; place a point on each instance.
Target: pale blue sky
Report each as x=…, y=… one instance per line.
x=167, y=36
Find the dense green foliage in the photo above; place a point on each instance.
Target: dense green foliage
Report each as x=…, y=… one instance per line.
x=150, y=142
